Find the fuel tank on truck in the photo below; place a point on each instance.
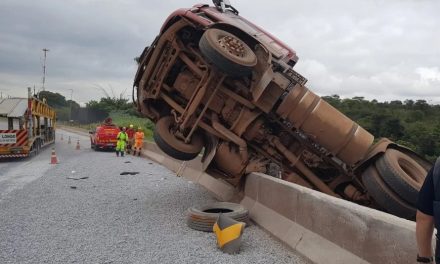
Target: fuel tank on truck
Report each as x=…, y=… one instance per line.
x=325, y=125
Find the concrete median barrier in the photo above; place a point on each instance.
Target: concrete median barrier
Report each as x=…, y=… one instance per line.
x=326, y=229
x=192, y=170
x=75, y=130
x=322, y=228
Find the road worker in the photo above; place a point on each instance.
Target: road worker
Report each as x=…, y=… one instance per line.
x=130, y=134
x=122, y=140
x=138, y=141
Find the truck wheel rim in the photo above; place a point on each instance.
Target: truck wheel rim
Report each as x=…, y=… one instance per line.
x=232, y=45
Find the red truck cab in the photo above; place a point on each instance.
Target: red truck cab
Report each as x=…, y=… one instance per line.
x=104, y=136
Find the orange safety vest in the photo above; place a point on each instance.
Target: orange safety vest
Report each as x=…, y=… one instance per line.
x=139, y=136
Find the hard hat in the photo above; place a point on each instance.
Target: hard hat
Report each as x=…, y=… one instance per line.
x=139, y=128
x=123, y=128
x=131, y=126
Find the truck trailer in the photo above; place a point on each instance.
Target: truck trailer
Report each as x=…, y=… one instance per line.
x=26, y=126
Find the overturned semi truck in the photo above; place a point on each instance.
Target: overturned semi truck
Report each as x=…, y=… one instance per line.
x=213, y=80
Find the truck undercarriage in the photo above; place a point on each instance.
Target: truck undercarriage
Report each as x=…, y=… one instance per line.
x=219, y=90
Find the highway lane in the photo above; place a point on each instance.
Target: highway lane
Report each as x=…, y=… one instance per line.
x=16, y=173
x=49, y=215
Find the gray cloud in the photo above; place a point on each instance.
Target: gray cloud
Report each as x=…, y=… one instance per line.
x=374, y=48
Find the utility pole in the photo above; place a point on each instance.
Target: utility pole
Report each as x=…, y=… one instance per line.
x=44, y=67
x=70, y=112
x=1, y=93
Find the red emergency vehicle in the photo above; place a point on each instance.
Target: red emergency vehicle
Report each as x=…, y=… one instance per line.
x=104, y=136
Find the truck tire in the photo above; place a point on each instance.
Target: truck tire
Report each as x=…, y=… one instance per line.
x=203, y=218
x=34, y=149
x=171, y=145
x=384, y=196
x=227, y=52
x=402, y=174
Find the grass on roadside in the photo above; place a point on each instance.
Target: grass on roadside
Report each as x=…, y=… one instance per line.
x=123, y=119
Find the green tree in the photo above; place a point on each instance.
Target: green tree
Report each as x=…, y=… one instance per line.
x=393, y=128
x=55, y=100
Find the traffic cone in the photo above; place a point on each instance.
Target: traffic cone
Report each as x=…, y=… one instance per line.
x=53, y=157
x=77, y=145
x=68, y=142
x=228, y=232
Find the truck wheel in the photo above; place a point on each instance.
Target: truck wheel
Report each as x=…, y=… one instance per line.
x=203, y=218
x=227, y=52
x=402, y=174
x=384, y=196
x=34, y=149
x=173, y=146
x=37, y=146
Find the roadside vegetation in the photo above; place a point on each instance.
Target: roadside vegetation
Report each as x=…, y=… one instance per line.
x=116, y=107
x=415, y=124
x=124, y=119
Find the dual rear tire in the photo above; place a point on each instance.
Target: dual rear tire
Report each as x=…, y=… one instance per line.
x=394, y=182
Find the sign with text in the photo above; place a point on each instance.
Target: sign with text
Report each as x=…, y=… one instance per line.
x=8, y=138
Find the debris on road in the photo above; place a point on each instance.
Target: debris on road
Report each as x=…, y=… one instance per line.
x=76, y=179
x=127, y=161
x=129, y=173
x=203, y=218
x=228, y=233
x=72, y=187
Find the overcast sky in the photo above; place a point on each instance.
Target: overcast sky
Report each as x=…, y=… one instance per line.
x=387, y=50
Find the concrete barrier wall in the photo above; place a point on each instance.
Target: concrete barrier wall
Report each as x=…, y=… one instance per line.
x=326, y=229
x=76, y=130
x=322, y=228
x=192, y=170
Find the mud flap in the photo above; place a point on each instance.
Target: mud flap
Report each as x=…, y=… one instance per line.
x=211, y=143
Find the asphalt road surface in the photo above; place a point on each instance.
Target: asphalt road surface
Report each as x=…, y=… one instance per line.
x=48, y=214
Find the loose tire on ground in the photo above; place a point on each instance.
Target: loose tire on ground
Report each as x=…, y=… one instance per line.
x=402, y=174
x=173, y=146
x=384, y=196
x=227, y=52
x=203, y=218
